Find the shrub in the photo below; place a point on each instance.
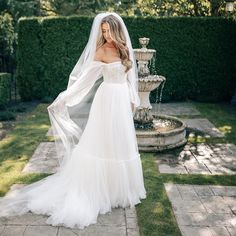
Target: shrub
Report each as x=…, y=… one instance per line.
x=195, y=54
x=5, y=89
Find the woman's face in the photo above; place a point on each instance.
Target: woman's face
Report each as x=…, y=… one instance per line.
x=106, y=32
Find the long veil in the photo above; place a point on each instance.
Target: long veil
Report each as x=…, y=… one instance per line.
x=59, y=195
x=69, y=111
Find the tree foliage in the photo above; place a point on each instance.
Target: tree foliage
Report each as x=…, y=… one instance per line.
x=18, y=8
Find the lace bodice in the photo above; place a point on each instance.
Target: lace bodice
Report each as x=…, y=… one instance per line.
x=114, y=72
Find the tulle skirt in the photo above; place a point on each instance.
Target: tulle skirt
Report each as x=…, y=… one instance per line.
x=104, y=170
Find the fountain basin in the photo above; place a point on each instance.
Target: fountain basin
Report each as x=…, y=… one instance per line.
x=169, y=133
x=144, y=54
x=150, y=82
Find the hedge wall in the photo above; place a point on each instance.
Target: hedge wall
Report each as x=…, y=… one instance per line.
x=196, y=55
x=5, y=89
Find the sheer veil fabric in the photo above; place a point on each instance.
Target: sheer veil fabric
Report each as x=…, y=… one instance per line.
x=68, y=112
x=92, y=124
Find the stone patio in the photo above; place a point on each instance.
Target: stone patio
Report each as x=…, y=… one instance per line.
x=176, y=109
x=203, y=126
x=120, y=222
x=200, y=210
x=200, y=159
x=44, y=159
x=207, y=210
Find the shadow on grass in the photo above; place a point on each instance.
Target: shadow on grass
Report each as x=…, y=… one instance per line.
x=155, y=214
x=19, y=145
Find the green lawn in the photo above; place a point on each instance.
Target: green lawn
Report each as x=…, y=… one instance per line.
x=155, y=215
x=16, y=149
x=223, y=116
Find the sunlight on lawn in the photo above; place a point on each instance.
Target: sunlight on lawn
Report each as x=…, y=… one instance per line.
x=6, y=141
x=10, y=171
x=19, y=146
x=226, y=129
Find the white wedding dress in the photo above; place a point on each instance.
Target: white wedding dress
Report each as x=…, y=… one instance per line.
x=104, y=170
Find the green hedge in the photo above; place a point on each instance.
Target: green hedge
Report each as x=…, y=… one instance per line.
x=196, y=55
x=5, y=89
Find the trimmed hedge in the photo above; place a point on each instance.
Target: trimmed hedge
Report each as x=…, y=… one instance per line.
x=196, y=55
x=5, y=89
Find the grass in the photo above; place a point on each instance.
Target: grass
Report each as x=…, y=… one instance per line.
x=223, y=116
x=16, y=149
x=155, y=215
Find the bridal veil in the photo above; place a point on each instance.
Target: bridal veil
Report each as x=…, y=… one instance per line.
x=69, y=111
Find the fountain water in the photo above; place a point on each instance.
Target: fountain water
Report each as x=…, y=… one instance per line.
x=154, y=132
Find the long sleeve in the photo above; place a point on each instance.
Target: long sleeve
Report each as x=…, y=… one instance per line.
x=82, y=84
x=133, y=90
x=65, y=131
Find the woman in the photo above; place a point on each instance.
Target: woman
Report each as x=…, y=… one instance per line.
x=100, y=166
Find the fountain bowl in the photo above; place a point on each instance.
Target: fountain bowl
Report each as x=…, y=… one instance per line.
x=144, y=54
x=150, y=82
x=169, y=133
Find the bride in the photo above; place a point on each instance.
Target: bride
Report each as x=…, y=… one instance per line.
x=92, y=124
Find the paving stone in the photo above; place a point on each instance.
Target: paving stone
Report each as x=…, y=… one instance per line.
x=1, y=229
x=132, y=232
x=218, y=218
x=44, y=159
x=41, y=230
x=132, y=228
x=197, y=168
x=13, y=230
x=215, y=204
x=230, y=201
x=26, y=219
x=177, y=169
x=219, y=231
x=131, y=223
x=203, y=125
x=205, y=219
x=232, y=231
x=203, y=190
x=229, y=191
x=172, y=192
x=176, y=109
x=187, y=192
x=94, y=230
x=116, y=217
x=209, y=159
x=130, y=212
x=119, y=222
x=195, y=231
x=188, y=206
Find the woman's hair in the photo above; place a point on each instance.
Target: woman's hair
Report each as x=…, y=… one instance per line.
x=118, y=37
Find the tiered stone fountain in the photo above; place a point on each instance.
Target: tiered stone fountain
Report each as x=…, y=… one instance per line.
x=154, y=132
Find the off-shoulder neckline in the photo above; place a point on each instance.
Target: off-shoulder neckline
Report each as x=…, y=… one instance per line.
x=109, y=62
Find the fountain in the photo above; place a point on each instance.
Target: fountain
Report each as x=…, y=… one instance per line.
x=154, y=132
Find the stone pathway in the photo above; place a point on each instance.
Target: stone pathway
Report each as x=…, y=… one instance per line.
x=120, y=222
x=44, y=159
x=199, y=210
x=203, y=126
x=207, y=210
x=200, y=159
x=176, y=109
